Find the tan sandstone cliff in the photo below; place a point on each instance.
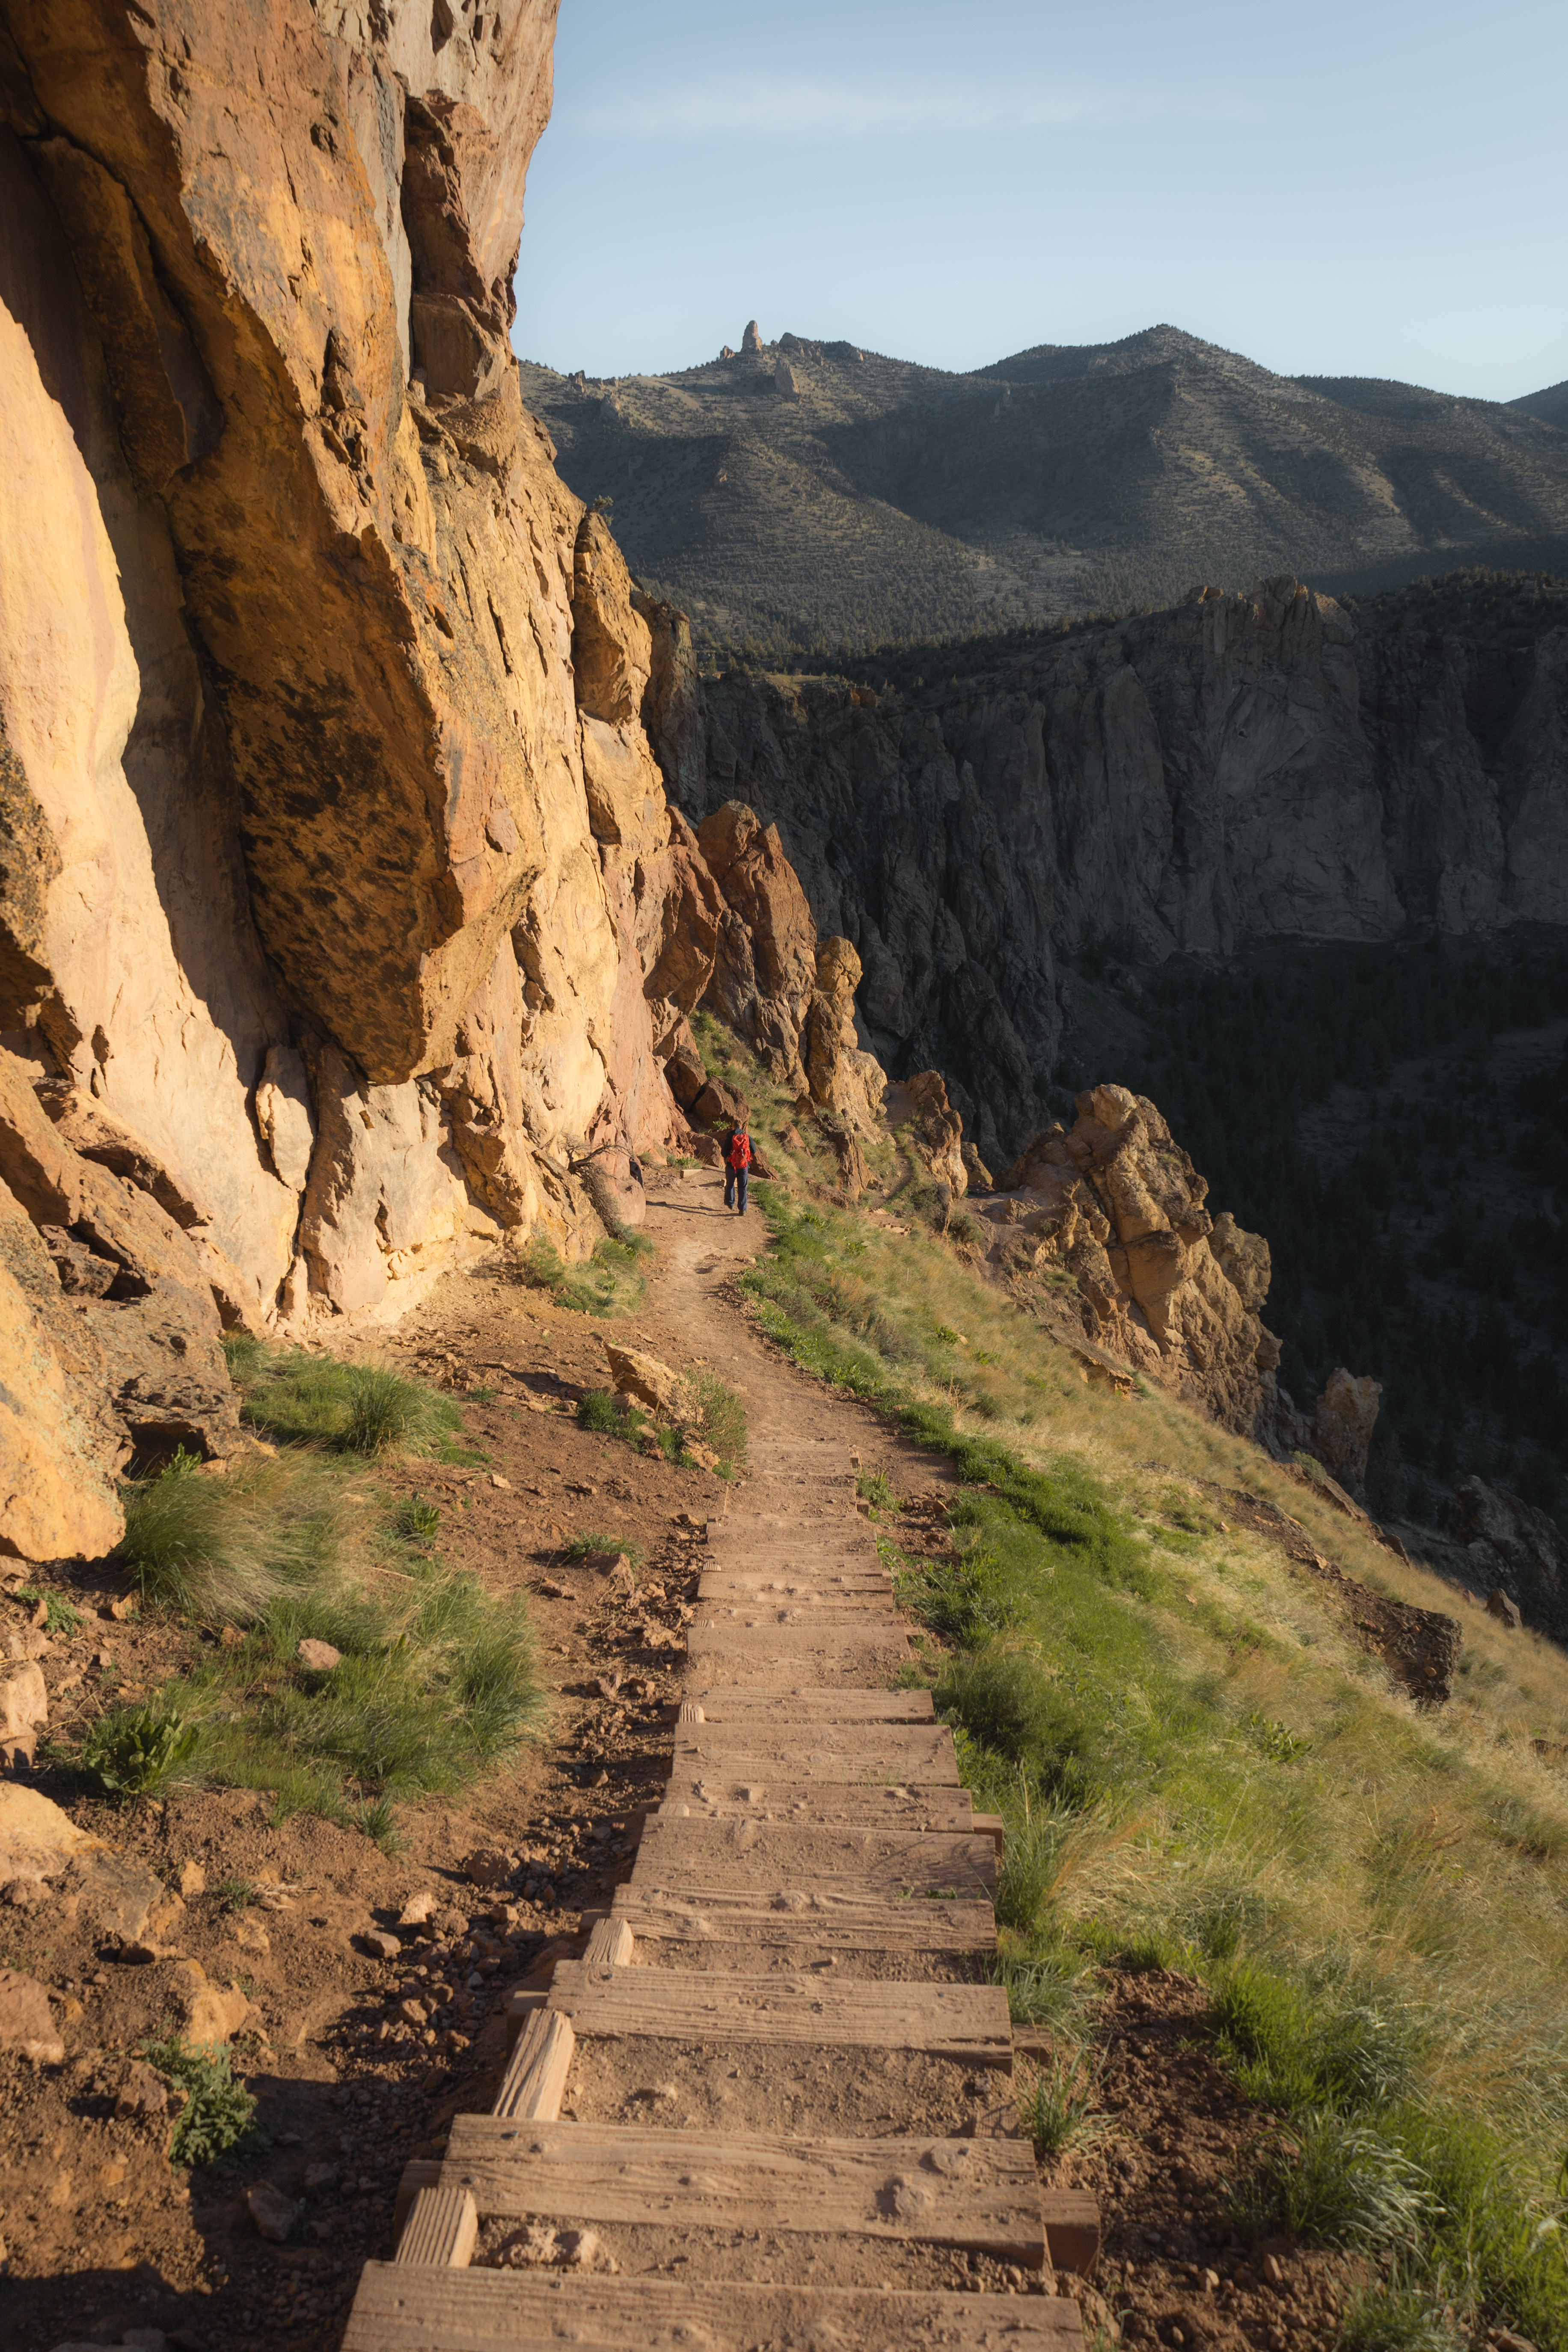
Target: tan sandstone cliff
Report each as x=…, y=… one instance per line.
x=341, y=906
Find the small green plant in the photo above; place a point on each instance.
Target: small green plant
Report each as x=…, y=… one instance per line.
x=59, y=1617
x=1400, y=2315
x=592, y=1544
x=138, y=1751
x=1057, y=2105
x=236, y=1894
x=218, y=2114
x=417, y=1520
x=1339, y=2182
x=719, y=1419
x=609, y=1283
x=872, y=1487
x=1276, y=1740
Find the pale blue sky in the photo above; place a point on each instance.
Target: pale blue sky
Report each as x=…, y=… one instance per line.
x=1372, y=189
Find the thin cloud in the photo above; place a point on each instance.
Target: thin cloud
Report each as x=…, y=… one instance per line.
x=758, y=107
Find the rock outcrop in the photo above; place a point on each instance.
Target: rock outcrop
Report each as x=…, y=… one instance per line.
x=1110, y=1219
x=342, y=912
x=1238, y=768
x=1513, y=1548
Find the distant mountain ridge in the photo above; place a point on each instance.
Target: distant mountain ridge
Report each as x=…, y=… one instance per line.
x=802, y=494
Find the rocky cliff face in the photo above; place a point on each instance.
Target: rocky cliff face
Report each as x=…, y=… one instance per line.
x=1238, y=768
x=340, y=905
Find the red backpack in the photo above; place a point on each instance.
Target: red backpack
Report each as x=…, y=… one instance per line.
x=740, y=1152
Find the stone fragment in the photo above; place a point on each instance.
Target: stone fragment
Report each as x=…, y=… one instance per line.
x=36, y=1838
x=379, y=1943
x=24, y=1713
x=320, y=1656
x=140, y=2093
x=488, y=1868
x=273, y=2213
x=250, y=1935
x=193, y=1880
x=418, y=1909
x=27, y=2021
x=1505, y=1609
x=209, y=2013
x=321, y=2176
x=637, y=1374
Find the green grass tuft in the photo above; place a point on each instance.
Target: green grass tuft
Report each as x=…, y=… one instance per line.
x=300, y=1399
x=219, y=1548
x=136, y=1751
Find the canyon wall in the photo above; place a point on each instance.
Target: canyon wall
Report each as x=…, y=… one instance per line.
x=341, y=910
x=1237, y=768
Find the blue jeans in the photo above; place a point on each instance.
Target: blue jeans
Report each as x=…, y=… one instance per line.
x=733, y=1176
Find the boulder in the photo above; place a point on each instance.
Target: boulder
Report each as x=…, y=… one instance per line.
x=27, y=2021
x=319, y=1656
x=1505, y=1609
x=719, y=1104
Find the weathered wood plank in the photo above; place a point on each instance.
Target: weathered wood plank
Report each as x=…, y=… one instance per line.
x=871, y=1861
x=716, y=1796
x=610, y=1942
x=825, y=1921
x=981, y=2194
x=794, y=1588
x=747, y=1702
x=442, y=2226
x=400, y=2310
x=1071, y=2218
x=534, y=2083
x=800, y=1626
x=896, y=1755
x=968, y=2022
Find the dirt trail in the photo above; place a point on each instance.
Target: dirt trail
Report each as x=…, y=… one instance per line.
x=729, y=2122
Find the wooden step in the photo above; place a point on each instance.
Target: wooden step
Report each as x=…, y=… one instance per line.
x=400, y=2308
x=977, y=2193
x=796, y=1918
x=786, y=1589
x=881, y=1756
x=871, y=1861
x=965, y=2023
x=1068, y=2216
x=794, y=1625
x=909, y=1807
x=748, y=1703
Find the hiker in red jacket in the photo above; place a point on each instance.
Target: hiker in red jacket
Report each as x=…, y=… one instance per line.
x=737, y=1159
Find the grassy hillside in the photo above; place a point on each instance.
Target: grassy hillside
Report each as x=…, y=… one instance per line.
x=1203, y=1771
x=880, y=502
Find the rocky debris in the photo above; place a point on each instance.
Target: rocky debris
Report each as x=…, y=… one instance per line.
x=1420, y=1647
x=24, y=1713
x=273, y=2213
x=379, y=1943
x=320, y=1656
x=1343, y=1425
x=27, y=2021
x=488, y=1868
x=1505, y=1609
x=1514, y=1548
x=637, y=1374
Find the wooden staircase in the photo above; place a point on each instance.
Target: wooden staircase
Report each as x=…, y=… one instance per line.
x=812, y=1825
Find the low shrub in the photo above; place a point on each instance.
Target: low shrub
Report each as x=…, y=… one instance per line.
x=218, y=2114
x=608, y=1282
x=1057, y=2105
x=137, y=1750
x=590, y=1545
